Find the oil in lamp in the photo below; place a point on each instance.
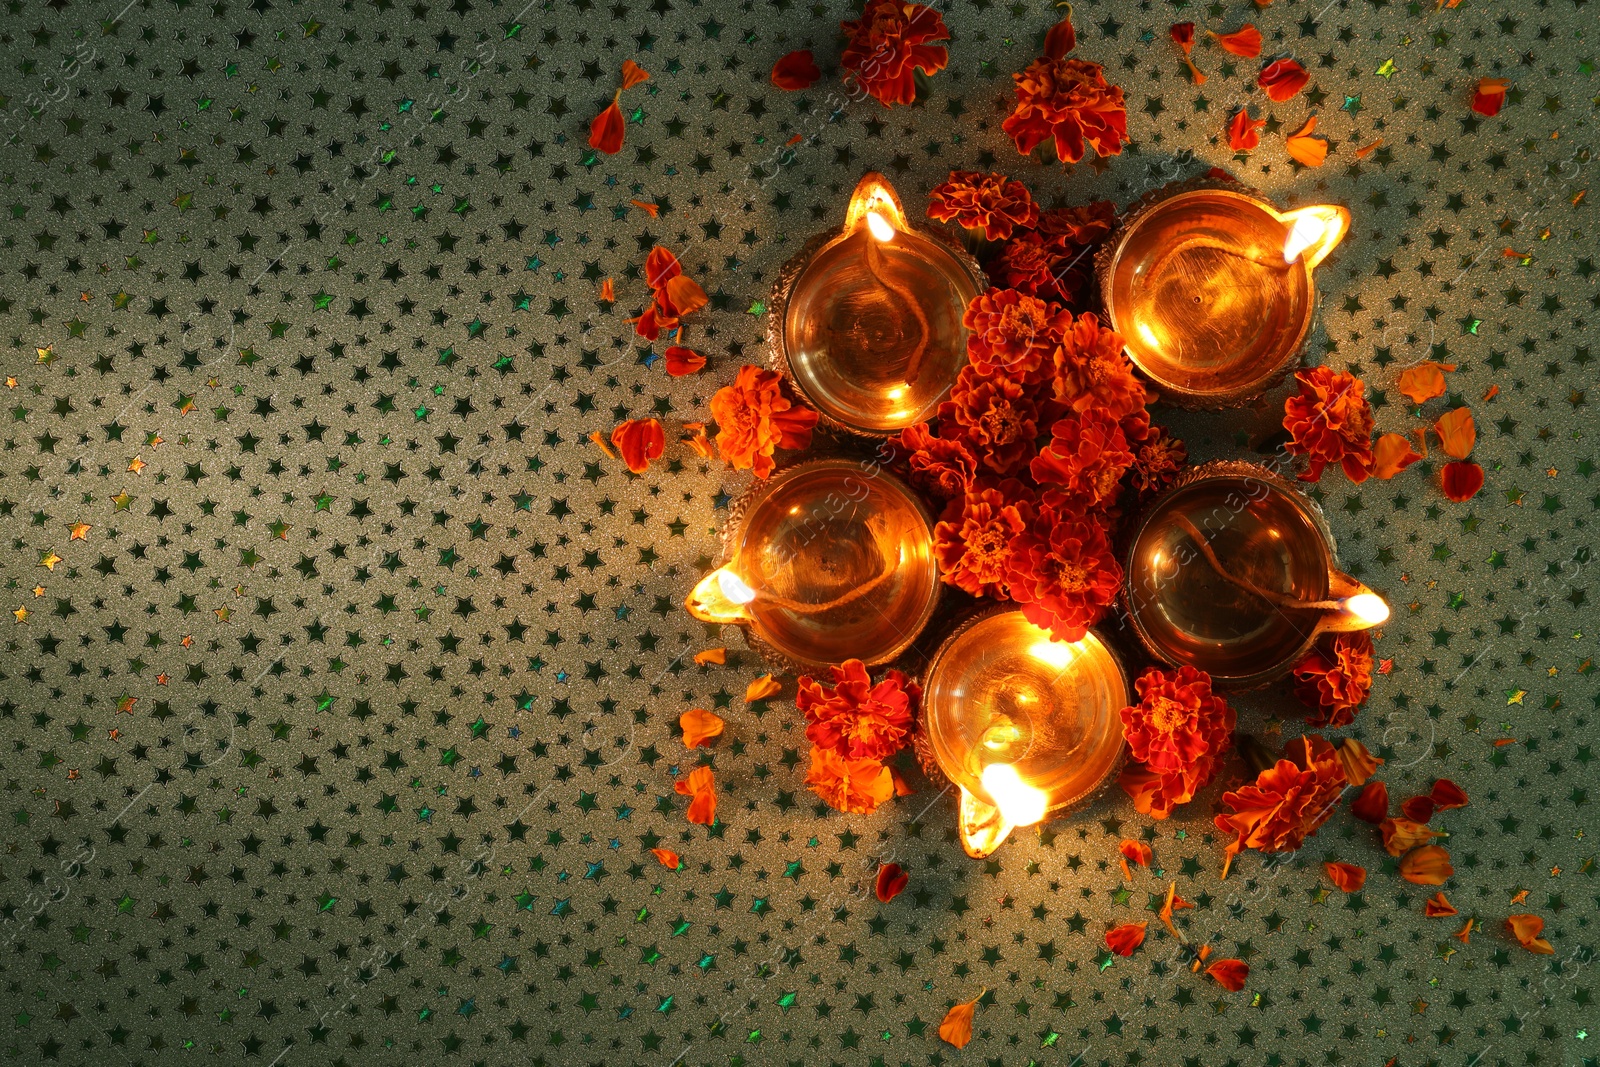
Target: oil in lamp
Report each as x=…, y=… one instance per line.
x=1210, y=287
x=866, y=321
x=1023, y=726
x=1232, y=571
x=825, y=562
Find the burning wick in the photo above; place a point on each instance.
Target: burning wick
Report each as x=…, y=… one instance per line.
x=733, y=587
x=739, y=593
x=1313, y=228
x=881, y=232
x=1020, y=804
x=1370, y=608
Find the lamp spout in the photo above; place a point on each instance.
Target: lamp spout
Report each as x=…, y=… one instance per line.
x=875, y=204
x=1313, y=232
x=721, y=597
x=981, y=825
x=1352, y=606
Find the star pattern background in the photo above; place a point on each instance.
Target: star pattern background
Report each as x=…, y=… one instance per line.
x=341, y=672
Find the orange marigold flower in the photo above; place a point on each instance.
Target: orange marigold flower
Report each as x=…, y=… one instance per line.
x=1230, y=974
x=1335, y=677
x=755, y=417
x=1330, y=421
x=993, y=203
x=1438, y=906
x=682, y=361
x=1287, y=802
x=1282, y=78
x=888, y=42
x=1489, y=96
x=1084, y=462
x=1373, y=803
x=1244, y=41
x=1358, y=763
x=854, y=718
x=1157, y=455
x=1242, y=135
x=1447, y=795
x=941, y=466
x=1180, y=730
x=1069, y=230
x=639, y=441
x=857, y=786
x=795, y=71
x=1526, y=929
x=972, y=542
x=1346, y=876
x=1064, y=573
x=890, y=882
x=1070, y=102
x=1391, y=455
x=997, y=417
x=1424, y=381
x=699, y=726
x=1092, y=371
x=1402, y=834
x=1012, y=332
x=702, y=794
x=1124, y=939
x=1426, y=865
x=1461, y=480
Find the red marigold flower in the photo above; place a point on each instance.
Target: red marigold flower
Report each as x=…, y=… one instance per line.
x=795, y=71
x=972, y=543
x=1027, y=265
x=1180, y=730
x=755, y=417
x=1055, y=261
x=940, y=466
x=1093, y=372
x=1012, y=332
x=1287, y=802
x=857, y=786
x=1070, y=101
x=1157, y=455
x=998, y=417
x=888, y=42
x=855, y=718
x=1335, y=678
x=992, y=203
x=1329, y=421
x=1063, y=573
x=1282, y=78
x=1242, y=135
x=1071, y=229
x=1084, y=462
x=639, y=441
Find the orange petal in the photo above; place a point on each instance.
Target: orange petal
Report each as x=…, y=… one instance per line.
x=902, y=788
x=699, y=726
x=608, y=291
x=1061, y=38
x=1242, y=135
x=1245, y=41
x=686, y=294
x=890, y=882
x=1447, y=795
x=718, y=656
x=701, y=790
x=956, y=1029
x=1136, y=852
x=1424, y=381
x=639, y=441
x=667, y=858
x=1401, y=835
x=1426, y=865
x=605, y=132
x=1306, y=149
x=1230, y=974
x=1183, y=34
x=1281, y=79
x=648, y=208
x=695, y=437
x=1358, y=763
x=660, y=267
x=1347, y=876
x=1464, y=935
x=1392, y=454
x=1373, y=803
x=1461, y=480
x=599, y=438
x=1438, y=906
x=1521, y=896
x=1125, y=939
x=1490, y=96
x=683, y=361
x=1367, y=149
x=795, y=71
x=1457, y=432
x=1526, y=929
x=633, y=74
x=1417, y=809
x=762, y=688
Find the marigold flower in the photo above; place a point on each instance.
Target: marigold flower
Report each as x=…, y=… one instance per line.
x=1426, y=865
x=1092, y=371
x=702, y=793
x=1070, y=102
x=795, y=71
x=857, y=786
x=972, y=543
x=1461, y=480
x=993, y=203
x=1242, y=135
x=1012, y=332
x=1064, y=574
x=1083, y=465
x=854, y=718
x=997, y=417
x=1125, y=939
x=639, y=441
x=1526, y=929
x=1180, y=730
x=1347, y=877
x=1282, y=78
x=1230, y=974
x=1069, y=230
x=888, y=42
x=1330, y=421
x=1157, y=455
x=890, y=882
x=755, y=417
x=1335, y=677
x=1287, y=802
x=941, y=466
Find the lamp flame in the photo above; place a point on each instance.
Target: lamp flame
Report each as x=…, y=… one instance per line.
x=875, y=205
x=1020, y=804
x=734, y=588
x=1313, y=232
x=721, y=597
x=880, y=227
x=1370, y=608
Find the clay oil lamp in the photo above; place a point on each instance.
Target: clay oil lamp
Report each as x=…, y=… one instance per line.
x=866, y=320
x=1210, y=287
x=825, y=562
x=1022, y=726
x=1233, y=571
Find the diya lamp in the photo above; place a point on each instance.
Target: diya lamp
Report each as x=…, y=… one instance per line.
x=825, y=562
x=1210, y=286
x=1025, y=727
x=1232, y=571
x=866, y=321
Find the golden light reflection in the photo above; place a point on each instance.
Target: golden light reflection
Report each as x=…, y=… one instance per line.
x=1020, y=804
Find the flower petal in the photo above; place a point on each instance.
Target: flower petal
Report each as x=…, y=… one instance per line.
x=683, y=361
x=1242, y=135
x=1417, y=809
x=1282, y=78
x=1457, y=432
x=1373, y=803
x=706, y=656
x=795, y=71
x=699, y=726
x=1438, y=906
x=1490, y=96
x=1125, y=939
x=633, y=74
x=1346, y=876
x=686, y=294
x=1446, y=795
x=1230, y=974
x=605, y=131
x=1358, y=763
x=890, y=882
x=1306, y=149
x=667, y=858
x=1461, y=480
x=1245, y=41
x=1061, y=38
x=1391, y=454
x=762, y=688
x=956, y=1029
x=1526, y=929
x=660, y=267
x=1424, y=381
x=1427, y=865
x=639, y=441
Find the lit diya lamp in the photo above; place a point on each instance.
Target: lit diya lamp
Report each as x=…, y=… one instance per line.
x=1023, y=726
x=1233, y=572
x=1210, y=287
x=867, y=321
x=825, y=563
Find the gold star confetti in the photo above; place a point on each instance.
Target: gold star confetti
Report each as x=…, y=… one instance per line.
x=79, y=531
x=48, y=560
x=137, y=465
x=38, y=590
x=1514, y=696
x=21, y=614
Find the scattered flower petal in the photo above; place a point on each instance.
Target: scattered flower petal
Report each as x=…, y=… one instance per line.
x=1245, y=41
x=891, y=881
x=633, y=74
x=1061, y=38
x=1457, y=432
x=639, y=441
x=1490, y=96
x=1230, y=974
x=1424, y=381
x=1417, y=809
x=1447, y=795
x=1438, y=906
x=1306, y=149
x=683, y=361
x=718, y=656
x=1125, y=939
x=762, y=688
x=605, y=131
x=1402, y=834
x=1242, y=135
x=701, y=790
x=699, y=726
x=1526, y=929
x=1358, y=763
x=1346, y=876
x=667, y=858
x=795, y=71
x=1282, y=78
x=1461, y=480
x=956, y=1029
x=1392, y=454
x=1427, y=865
x=1373, y=803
